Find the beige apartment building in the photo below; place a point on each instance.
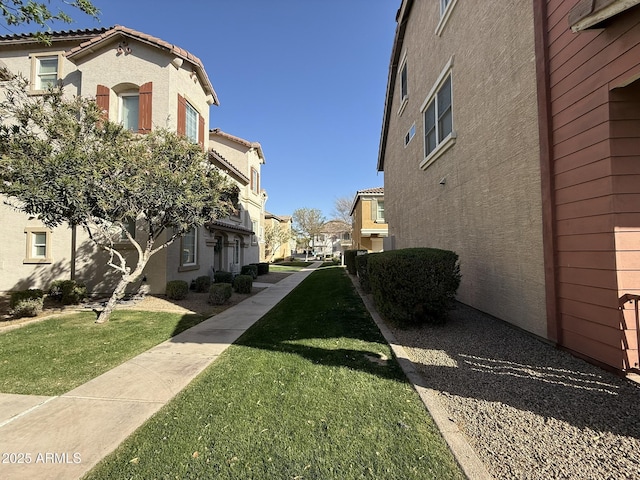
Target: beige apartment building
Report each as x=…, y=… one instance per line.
x=143, y=82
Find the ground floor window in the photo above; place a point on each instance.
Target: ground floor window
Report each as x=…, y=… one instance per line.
x=38, y=245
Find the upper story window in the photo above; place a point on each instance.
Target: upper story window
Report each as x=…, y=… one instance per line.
x=446, y=7
x=380, y=211
x=404, y=84
x=410, y=134
x=192, y=123
x=130, y=110
x=255, y=181
x=45, y=71
x=189, y=122
x=438, y=117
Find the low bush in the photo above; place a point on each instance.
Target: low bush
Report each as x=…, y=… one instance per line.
x=203, y=284
x=363, y=272
x=243, y=283
x=177, y=289
x=219, y=293
x=223, y=277
x=263, y=268
x=67, y=292
x=350, y=259
x=26, y=303
x=414, y=285
x=250, y=270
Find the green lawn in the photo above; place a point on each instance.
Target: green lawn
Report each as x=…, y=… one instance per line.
x=288, y=266
x=56, y=355
x=309, y=392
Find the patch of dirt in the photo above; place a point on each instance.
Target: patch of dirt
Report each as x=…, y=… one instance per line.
x=194, y=303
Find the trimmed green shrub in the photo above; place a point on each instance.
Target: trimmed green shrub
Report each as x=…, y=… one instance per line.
x=350, y=260
x=263, y=268
x=177, y=289
x=363, y=272
x=414, y=285
x=203, y=284
x=223, y=277
x=243, y=283
x=26, y=303
x=67, y=292
x=219, y=293
x=250, y=270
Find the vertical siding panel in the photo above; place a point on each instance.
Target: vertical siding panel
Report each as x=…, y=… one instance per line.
x=588, y=141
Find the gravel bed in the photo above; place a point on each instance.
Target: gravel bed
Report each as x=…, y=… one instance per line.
x=529, y=411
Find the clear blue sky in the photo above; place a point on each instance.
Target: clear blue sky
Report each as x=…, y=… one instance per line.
x=305, y=78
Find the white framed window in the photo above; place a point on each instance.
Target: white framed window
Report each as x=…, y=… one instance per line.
x=189, y=247
x=446, y=7
x=410, y=134
x=38, y=245
x=380, y=211
x=130, y=110
x=255, y=227
x=255, y=180
x=45, y=71
x=404, y=84
x=437, y=114
x=236, y=251
x=192, y=123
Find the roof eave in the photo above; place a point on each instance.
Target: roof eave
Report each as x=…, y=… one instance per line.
x=401, y=17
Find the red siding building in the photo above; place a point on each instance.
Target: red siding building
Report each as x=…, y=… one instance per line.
x=588, y=69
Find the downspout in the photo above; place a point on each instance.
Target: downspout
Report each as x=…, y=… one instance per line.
x=545, y=125
x=73, y=252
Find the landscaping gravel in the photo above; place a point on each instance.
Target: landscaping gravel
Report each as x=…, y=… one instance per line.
x=529, y=410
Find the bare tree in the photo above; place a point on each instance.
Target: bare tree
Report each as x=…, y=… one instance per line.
x=275, y=235
x=308, y=223
x=342, y=209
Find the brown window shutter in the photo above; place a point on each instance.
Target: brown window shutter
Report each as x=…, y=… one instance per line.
x=201, y=131
x=102, y=99
x=182, y=115
x=144, y=115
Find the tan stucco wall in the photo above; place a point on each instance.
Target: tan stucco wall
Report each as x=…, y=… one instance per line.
x=17, y=275
x=489, y=209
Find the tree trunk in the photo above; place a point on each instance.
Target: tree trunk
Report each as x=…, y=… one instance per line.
x=104, y=315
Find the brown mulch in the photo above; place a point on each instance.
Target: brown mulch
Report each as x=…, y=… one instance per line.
x=194, y=303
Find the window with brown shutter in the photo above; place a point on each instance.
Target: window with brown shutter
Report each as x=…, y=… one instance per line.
x=102, y=99
x=145, y=113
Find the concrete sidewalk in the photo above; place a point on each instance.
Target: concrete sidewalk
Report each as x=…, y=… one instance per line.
x=63, y=437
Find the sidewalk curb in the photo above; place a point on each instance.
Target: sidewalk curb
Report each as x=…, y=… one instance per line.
x=466, y=457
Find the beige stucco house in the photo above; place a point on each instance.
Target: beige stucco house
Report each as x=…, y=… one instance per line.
x=239, y=239
x=369, y=222
x=145, y=83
